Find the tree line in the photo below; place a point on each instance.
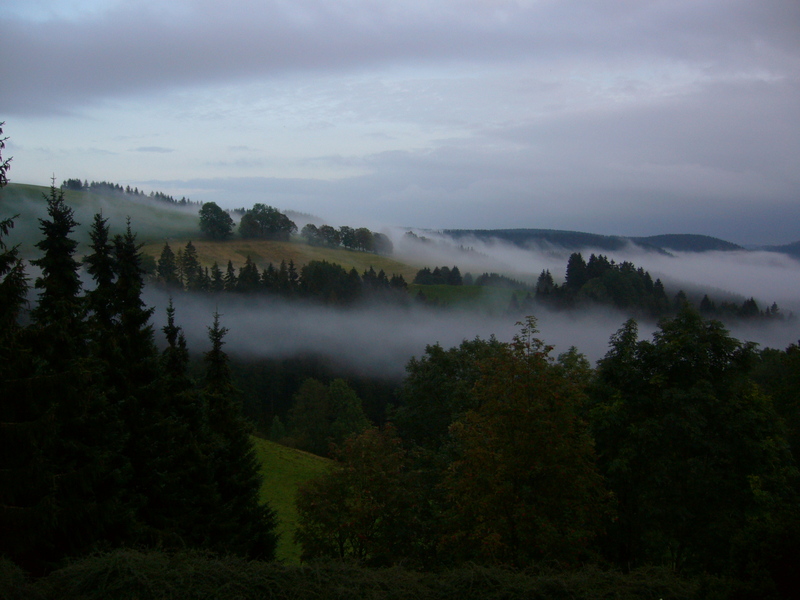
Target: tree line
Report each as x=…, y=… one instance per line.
x=268, y=223
x=107, y=187
x=361, y=239
x=318, y=280
x=104, y=440
x=601, y=281
x=679, y=451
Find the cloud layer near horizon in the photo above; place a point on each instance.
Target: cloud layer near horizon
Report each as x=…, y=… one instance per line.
x=626, y=118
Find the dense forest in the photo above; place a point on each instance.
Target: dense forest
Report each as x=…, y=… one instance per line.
x=493, y=469
x=106, y=441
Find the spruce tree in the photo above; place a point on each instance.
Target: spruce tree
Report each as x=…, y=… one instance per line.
x=243, y=525
x=60, y=311
x=167, y=268
x=180, y=498
x=101, y=265
x=65, y=491
x=230, y=279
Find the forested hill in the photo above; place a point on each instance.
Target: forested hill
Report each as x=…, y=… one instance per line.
x=151, y=219
x=572, y=240
x=578, y=240
x=685, y=242
x=792, y=249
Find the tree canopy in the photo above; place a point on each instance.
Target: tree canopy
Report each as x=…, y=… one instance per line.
x=266, y=222
x=215, y=223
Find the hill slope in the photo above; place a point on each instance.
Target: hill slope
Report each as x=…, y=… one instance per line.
x=685, y=242
x=578, y=240
x=284, y=470
x=263, y=252
x=150, y=219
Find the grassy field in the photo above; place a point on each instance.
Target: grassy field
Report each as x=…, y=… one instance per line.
x=264, y=252
x=284, y=469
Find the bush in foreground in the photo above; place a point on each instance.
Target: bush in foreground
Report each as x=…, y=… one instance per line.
x=130, y=574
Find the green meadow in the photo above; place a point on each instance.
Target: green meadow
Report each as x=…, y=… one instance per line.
x=284, y=470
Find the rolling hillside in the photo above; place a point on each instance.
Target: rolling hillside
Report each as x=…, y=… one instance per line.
x=150, y=219
x=284, y=470
x=263, y=252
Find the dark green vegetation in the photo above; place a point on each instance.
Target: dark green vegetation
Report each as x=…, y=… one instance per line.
x=361, y=239
x=668, y=454
x=104, y=440
x=215, y=223
x=133, y=575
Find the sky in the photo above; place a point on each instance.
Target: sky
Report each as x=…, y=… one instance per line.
x=628, y=117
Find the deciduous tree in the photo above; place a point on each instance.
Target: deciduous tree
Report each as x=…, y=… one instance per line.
x=215, y=223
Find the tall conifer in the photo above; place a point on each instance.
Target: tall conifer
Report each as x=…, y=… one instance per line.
x=243, y=526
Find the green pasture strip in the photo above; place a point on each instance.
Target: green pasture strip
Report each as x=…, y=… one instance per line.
x=284, y=470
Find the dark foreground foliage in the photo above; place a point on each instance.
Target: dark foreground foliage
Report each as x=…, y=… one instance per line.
x=129, y=575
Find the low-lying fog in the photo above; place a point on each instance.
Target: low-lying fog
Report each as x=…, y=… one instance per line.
x=379, y=340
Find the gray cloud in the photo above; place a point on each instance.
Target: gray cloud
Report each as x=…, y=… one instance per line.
x=155, y=149
x=623, y=118
x=137, y=45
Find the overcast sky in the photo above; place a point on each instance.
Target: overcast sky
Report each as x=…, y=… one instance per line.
x=628, y=117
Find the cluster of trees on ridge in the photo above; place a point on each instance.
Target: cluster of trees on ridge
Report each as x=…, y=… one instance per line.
x=627, y=287
x=268, y=223
x=104, y=440
x=318, y=280
x=347, y=237
x=106, y=187
x=599, y=281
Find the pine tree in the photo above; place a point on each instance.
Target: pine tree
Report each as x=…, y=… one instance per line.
x=167, y=268
x=217, y=279
x=230, y=278
x=243, y=525
x=60, y=311
x=180, y=498
x=64, y=486
x=192, y=271
x=101, y=265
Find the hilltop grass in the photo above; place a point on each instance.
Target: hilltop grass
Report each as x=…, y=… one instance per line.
x=150, y=219
x=284, y=470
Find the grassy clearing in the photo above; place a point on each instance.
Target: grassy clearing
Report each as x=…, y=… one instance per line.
x=263, y=252
x=284, y=469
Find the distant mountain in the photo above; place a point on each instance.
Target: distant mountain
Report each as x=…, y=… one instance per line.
x=686, y=242
x=792, y=249
x=578, y=240
x=570, y=240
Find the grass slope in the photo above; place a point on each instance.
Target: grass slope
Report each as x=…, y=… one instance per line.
x=263, y=252
x=150, y=219
x=155, y=221
x=284, y=470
